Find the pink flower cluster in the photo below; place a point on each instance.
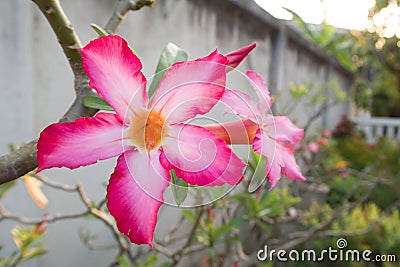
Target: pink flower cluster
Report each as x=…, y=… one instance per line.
x=323, y=140
x=151, y=136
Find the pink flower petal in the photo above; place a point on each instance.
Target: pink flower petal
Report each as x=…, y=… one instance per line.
x=190, y=88
x=264, y=145
x=199, y=157
x=237, y=56
x=282, y=129
x=290, y=168
x=235, y=132
x=114, y=72
x=280, y=159
x=80, y=143
x=265, y=100
x=135, y=194
x=240, y=104
x=313, y=147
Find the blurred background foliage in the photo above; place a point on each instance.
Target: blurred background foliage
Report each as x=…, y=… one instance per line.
x=351, y=191
x=373, y=56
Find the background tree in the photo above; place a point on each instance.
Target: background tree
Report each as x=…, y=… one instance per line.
x=373, y=56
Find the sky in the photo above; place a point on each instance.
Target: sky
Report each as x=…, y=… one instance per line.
x=347, y=14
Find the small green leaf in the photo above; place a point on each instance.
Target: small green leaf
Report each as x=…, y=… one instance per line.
x=33, y=252
x=189, y=215
x=222, y=229
x=236, y=222
x=100, y=31
x=123, y=262
x=151, y=261
x=5, y=187
x=260, y=172
x=179, y=188
x=96, y=102
x=166, y=264
x=5, y=261
x=170, y=55
x=12, y=147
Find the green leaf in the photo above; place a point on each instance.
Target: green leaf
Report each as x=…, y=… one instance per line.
x=166, y=264
x=234, y=223
x=260, y=172
x=179, y=188
x=123, y=262
x=189, y=215
x=170, y=55
x=222, y=229
x=151, y=261
x=12, y=147
x=5, y=187
x=100, y=31
x=5, y=261
x=33, y=252
x=96, y=102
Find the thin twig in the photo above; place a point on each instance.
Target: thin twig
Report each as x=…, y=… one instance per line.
x=53, y=184
x=124, y=247
x=194, y=228
x=163, y=250
x=318, y=114
x=178, y=255
x=121, y=10
x=167, y=238
x=86, y=239
x=6, y=215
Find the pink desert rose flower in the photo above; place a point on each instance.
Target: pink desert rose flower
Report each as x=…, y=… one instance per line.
x=268, y=134
x=149, y=137
x=326, y=133
x=313, y=147
x=322, y=141
x=237, y=56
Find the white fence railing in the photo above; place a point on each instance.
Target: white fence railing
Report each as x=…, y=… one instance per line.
x=376, y=127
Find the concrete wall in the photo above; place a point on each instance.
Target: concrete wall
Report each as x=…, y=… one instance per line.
x=36, y=87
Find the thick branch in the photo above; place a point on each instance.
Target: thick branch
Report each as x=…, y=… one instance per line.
x=18, y=162
x=23, y=160
x=64, y=31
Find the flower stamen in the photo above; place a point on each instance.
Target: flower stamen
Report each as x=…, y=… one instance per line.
x=146, y=130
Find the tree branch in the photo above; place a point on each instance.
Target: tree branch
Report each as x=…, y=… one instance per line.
x=6, y=215
x=24, y=159
x=64, y=31
x=121, y=10
x=18, y=163
x=178, y=254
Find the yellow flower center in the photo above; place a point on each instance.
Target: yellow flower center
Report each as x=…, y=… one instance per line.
x=146, y=130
